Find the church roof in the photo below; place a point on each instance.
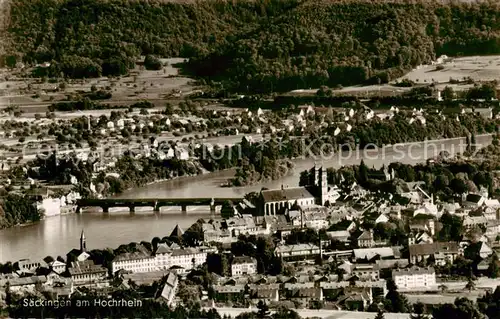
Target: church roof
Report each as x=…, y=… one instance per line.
x=177, y=232
x=277, y=195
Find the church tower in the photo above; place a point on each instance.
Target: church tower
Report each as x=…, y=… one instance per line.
x=83, y=245
x=323, y=185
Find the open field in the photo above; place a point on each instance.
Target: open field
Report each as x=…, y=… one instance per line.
x=32, y=95
x=478, y=68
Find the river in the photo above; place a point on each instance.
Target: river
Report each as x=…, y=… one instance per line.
x=59, y=234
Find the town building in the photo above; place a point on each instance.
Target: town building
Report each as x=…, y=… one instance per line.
x=169, y=289
x=414, y=278
x=134, y=262
x=299, y=251
x=57, y=266
x=22, y=284
x=366, y=272
x=365, y=240
x=27, y=266
x=87, y=273
x=243, y=265
x=182, y=259
x=442, y=252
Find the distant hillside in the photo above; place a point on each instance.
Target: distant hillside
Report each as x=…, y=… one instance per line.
x=260, y=45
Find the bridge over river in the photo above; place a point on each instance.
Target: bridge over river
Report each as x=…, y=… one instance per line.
x=154, y=203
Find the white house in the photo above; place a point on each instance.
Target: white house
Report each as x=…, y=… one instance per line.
x=134, y=262
x=382, y=219
x=181, y=153
x=49, y=206
x=169, y=290
x=366, y=272
x=484, y=250
x=243, y=265
x=87, y=273
x=120, y=123
x=57, y=266
x=414, y=278
x=183, y=259
x=474, y=201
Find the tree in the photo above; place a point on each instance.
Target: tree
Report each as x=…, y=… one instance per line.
x=380, y=315
x=443, y=288
x=263, y=312
x=471, y=285
x=458, y=186
x=396, y=301
x=169, y=109
x=363, y=172
x=493, y=269
x=227, y=209
x=418, y=311
x=452, y=229
x=304, y=178
x=151, y=62
x=285, y=313
x=448, y=93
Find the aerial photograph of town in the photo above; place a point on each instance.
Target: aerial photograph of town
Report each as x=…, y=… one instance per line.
x=250, y=159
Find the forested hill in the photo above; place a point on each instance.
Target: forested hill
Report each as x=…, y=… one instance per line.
x=257, y=45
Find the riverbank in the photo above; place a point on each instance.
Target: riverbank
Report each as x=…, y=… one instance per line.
x=61, y=233
x=333, y=160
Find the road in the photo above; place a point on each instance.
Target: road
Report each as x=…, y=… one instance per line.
x=327, y=314
x=482, y=282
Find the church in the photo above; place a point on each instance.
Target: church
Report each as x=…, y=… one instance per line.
x=317, y=192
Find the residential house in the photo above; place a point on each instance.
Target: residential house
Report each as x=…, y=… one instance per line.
x=266, y=292
x=473, y=201
x=365, y=240
x=479, y=249
x=303, y=291
x=357, y=299
x=229, y=292
x=339, y=235
x=23, y=283
x=346, y=266
x=366, y=272
x=87, y=273
x=470, y=222
x=421, y=237
x=382, y=218
x=369, y=254
x=442, y=252
x=243, y=265
x=423, y=223
x=414, y=278
x=169, y=289
x=57, y=266
x=493, y=229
